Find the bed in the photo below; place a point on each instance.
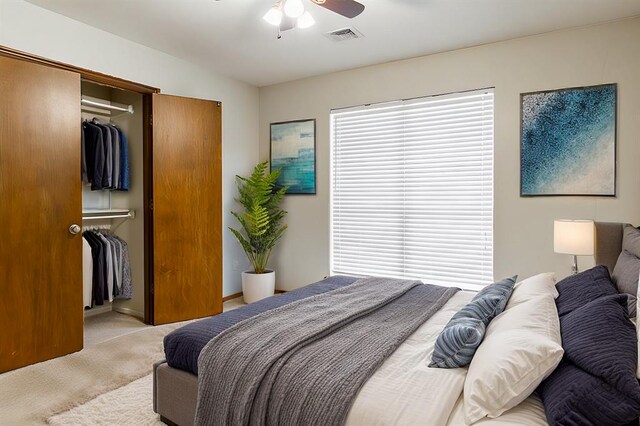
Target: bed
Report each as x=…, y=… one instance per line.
x=402, y=390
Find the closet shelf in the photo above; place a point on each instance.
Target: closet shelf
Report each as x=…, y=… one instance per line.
x=108, y=214
x=98, y=103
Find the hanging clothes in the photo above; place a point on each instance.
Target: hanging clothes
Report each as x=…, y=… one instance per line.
x=105, y=157
x=108, y=288
x=126, y=290
x=115, y=137
x=87, y=274
x=108, y=156
x=124, y=162
x=99, y=268
x=94, y=154
x=110, y=275
x=117, y=255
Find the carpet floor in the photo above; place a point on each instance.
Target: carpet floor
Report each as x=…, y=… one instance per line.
x=32, y=394
x=134, y=407
x=103, y=327
x=106, y=371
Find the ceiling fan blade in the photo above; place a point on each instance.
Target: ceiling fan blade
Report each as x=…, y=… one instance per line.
x=287, y=23
x=346, y=8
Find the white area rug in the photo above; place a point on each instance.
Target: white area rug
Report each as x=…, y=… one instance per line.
x=129, y=405
x=33, y=394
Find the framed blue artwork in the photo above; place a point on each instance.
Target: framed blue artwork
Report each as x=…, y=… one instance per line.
x=568, y=142
x=293, y=150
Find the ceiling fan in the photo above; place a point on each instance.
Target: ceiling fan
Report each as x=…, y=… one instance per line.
x=289, y=14
x=347, y=8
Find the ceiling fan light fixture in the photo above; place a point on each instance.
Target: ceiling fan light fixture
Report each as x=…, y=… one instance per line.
x=273, y=16
x=305, y=21
x=293, y=8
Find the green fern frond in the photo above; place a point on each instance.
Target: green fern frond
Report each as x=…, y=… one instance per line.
x=262, y=214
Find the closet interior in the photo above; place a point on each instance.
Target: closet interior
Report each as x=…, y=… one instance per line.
x=112, y=201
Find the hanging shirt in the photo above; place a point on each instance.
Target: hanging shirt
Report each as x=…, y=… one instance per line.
x=109, y=262
x=107, y=177
x=99, y=267
x=87, y=274
x=116, y=265
x=94, y=155
x=118, y=254
x=124, y=162
x=115, y=137
x=127, y=286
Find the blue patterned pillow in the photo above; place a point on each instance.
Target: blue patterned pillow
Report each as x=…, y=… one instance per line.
x=492, y=299
x=458, y=341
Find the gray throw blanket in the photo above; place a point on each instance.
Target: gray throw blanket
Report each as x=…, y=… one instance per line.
x=304, y=363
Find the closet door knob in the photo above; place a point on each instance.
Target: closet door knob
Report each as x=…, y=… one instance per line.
x=74, y=229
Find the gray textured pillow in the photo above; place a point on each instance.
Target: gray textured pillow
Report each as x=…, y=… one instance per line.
x=625, y=273
x=632, y=305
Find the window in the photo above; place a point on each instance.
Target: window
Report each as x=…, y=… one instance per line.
x=412, y=189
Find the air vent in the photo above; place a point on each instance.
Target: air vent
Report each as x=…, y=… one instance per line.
x=344, y=34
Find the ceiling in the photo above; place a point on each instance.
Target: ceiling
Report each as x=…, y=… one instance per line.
x=230, y=37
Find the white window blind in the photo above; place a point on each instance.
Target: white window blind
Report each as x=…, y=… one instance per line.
x=412, y=189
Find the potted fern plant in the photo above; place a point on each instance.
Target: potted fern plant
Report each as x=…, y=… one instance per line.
x=261, y=222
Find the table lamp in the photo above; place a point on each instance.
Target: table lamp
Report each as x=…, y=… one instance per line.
x=574, y=237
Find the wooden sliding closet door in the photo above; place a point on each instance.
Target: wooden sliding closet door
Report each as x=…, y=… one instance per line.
x=187, y=208
x=40, y=197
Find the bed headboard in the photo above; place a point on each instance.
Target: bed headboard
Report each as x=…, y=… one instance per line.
x=608, y=243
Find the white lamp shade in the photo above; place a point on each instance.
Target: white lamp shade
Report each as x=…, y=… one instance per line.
x=273, y=16
x=575, y=237
x=306, y=20
x=293, y=8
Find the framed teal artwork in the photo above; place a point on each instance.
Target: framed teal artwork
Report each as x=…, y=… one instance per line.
x=568, y=142
x=293, y=151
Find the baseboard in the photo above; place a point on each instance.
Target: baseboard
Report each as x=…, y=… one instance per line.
x=97, y=310
x=129, y=311
x=108, y=307
x=236, y=295
x=231, y=297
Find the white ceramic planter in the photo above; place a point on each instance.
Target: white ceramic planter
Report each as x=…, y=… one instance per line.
x=258, y=286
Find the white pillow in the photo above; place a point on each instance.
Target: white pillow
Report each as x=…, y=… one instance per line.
x=538, y=285
x=522, y=346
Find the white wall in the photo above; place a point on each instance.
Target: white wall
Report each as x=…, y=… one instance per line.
x=608, y=53
x=29, y=28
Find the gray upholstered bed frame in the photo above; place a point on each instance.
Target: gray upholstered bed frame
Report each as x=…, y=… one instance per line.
x=175, y=392
x=608, y=243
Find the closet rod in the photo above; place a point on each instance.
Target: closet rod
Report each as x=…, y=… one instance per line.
x=131, y=214
x=127, y=108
